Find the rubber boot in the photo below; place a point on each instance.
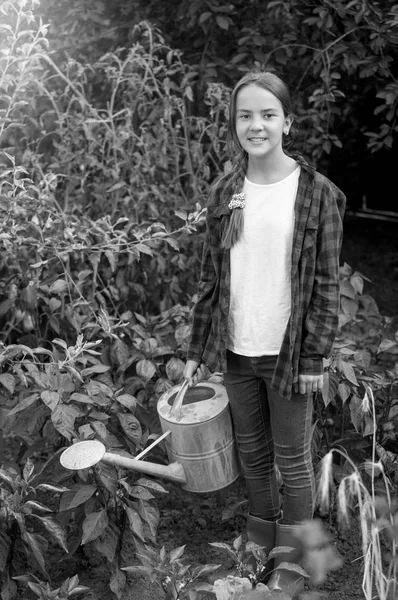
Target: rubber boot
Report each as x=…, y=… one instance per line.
x=290, y=583
x=263, y=533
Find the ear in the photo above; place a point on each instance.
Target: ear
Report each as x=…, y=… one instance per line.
x=287, y=123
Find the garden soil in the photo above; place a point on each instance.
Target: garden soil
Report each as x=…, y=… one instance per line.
x=194, y=520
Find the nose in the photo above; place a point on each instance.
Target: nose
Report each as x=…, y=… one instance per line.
x=256, y=124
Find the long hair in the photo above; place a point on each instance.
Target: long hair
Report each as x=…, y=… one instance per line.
x=232, y=182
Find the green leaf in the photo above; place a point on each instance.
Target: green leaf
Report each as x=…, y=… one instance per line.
x=5, y=542
x=181, y=214
x=150, y=514
x=293, y=568
x=120, y=351
x=83, y=398
x=8, y=587
x=54, y=304
x=128, y=401
x=22, y=404
x=6, y=305
x=176, y=553
x=344, y=391
x=135, y=521
x=118, y=583
x=138, y=570
x=8, y=381
x=51, y=487
x=94, y=526
x=131, y=427
x=50, y=399
x=386, y=345
x=58, y=287
x=112, y=257
x=38, y=588
x=204, y=17
x=152, y=485
x=76, y=496
x=237, y=543
x=33, y=504
x=349, y=372
x=63, y=418
x=172, y=242
x=144, y=249
x=38, y=545
x=357, y=282
x=225, y=547
x=222, y=22
x=330, y=387
x=175, y=369
x=55, y=529
x=146, y=369
x=6, y=476
x=204, y=570
x=349, y=306
x=108, y=476
x=95, y=369
x=140, y=492
x=107, y=543
x=363, y=358
x=356, y=412
x=61, y=343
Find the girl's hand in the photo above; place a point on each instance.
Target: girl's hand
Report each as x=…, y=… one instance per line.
x=193, y=373
x=308, y=384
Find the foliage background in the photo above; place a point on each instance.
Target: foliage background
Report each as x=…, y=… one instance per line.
x=112, y=127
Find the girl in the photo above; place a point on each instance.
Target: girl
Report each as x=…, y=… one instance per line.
x=267, y=308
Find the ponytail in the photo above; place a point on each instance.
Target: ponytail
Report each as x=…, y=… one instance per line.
x=232, y=228
x=231, y=186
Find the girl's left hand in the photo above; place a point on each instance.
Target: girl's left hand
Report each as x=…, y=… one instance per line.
x=308, y=384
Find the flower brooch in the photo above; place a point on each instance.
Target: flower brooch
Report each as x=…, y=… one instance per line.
x=238, y=201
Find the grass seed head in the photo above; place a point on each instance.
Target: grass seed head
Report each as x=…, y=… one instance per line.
x=343, y=504
x=325, y=482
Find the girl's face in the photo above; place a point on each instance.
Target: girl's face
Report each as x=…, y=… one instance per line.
x=260, y=121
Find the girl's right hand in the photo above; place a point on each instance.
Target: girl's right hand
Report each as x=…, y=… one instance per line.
x=191, y=372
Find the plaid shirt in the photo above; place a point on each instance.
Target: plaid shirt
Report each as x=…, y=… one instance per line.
x=312, y=327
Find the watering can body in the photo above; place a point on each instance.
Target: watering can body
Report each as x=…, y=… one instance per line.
x=201, y=436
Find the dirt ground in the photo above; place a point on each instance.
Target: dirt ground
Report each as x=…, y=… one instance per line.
x=196, y=520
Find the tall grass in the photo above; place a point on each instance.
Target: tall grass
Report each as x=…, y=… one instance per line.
x=377, y=512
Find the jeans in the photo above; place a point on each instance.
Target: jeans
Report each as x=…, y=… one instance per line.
x=270, y=429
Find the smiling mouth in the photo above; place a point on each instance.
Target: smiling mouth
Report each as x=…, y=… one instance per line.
x=257, y=139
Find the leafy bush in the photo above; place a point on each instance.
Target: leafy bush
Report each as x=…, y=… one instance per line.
x=70, y=394
x=111, y=186
x=364, y=357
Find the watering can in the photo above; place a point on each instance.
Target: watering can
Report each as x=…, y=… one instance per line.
x=197, y=429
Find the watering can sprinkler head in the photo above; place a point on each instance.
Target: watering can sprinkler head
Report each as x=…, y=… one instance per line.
x=83, y=455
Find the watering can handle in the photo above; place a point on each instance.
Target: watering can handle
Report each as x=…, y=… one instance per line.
x=177, y=404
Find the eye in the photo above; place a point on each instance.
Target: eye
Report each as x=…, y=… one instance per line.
x=243, y=116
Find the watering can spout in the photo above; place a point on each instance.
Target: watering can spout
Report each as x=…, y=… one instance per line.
x=174, y=471
x=86, y=454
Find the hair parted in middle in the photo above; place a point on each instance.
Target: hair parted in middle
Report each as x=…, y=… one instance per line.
x=232, y=182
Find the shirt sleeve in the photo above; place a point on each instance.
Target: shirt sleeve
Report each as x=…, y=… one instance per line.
x=321, y=322
x=201, y=318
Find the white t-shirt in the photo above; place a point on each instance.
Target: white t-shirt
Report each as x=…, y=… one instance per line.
x=260, y=301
